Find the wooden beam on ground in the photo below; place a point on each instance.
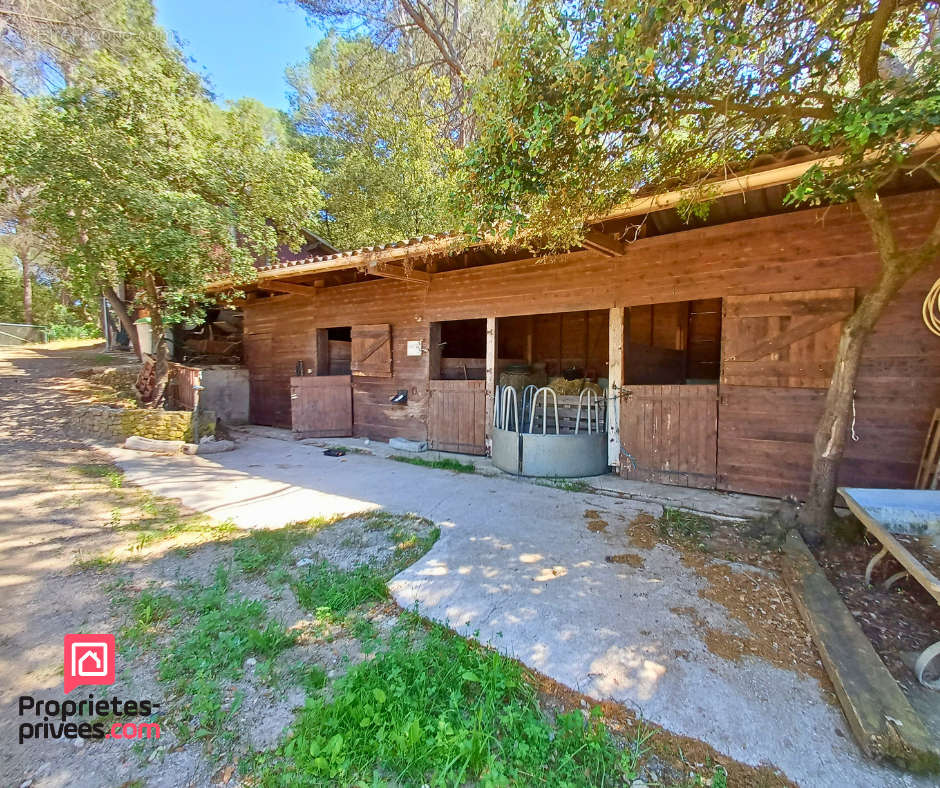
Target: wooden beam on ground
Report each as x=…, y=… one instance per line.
x=879, y=715
x=398, y=272
x=607, y=245
x=614, y=385
x=492, y=345
x=278, y=286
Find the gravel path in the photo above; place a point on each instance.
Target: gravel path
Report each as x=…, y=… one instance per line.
x=48, y=514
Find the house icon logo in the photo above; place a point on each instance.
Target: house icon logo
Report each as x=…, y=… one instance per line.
x=88, y=659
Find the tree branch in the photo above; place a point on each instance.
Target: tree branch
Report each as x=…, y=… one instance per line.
x=871, y=49
x=443, y=46
x=879, y=223
x=790, y=111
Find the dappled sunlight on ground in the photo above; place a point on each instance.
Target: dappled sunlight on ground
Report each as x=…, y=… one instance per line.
x=627, y=668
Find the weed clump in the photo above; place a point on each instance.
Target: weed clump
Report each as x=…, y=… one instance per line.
x=439, y=709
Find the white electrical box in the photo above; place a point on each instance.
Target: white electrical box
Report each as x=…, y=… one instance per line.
x=413, y=347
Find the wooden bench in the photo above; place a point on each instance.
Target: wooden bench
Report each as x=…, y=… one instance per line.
x=885, y=513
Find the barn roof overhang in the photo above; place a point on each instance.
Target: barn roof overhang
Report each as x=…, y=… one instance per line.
x=757, y=192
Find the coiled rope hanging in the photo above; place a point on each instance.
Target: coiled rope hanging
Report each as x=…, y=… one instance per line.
x=932, y=308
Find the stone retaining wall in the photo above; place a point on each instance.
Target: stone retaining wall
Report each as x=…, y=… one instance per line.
x=115, y=424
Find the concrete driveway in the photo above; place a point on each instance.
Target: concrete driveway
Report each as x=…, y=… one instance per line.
x=517, y=565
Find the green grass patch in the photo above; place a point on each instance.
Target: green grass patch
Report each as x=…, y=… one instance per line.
x=209, y=653
x=162, y=519
x=443, y=711
x=148, y=610
x=444, y=465
x=568, y=485
x=409, y=547
x=94, y=563
x=312, y=678
x=386, y=521
x=101, y=470
x=326, y=590
x=684, y=525
x=267, y=548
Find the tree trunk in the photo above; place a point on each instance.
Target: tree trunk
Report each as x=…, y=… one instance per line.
x=829, y=442
x=161, y=367
x=118, y=305
x=27, y=290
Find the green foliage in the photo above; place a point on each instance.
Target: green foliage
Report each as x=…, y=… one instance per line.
x=592, y=103
x=446, y=712
x=139, y=177
x=685, y=525
x=377, y=130
x=61, y=320
x=209, y=651
x=265, y=548
x=313, y=678
x=448, y=464
x=94, y=563
x=325, y=589
x=101, y=470
x=148, y=610
x=11, y=288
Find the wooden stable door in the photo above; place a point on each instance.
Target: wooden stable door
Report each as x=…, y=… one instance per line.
x=778, y=351
x=669, y=434
x=457, y=416
x=321, y=407
x=264, y=403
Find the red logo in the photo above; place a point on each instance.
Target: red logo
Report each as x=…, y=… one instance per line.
x=89, y=659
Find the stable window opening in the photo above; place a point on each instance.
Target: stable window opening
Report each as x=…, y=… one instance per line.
x=333, y=351
x=458, y=350
x=675, y=343
x=563, y=349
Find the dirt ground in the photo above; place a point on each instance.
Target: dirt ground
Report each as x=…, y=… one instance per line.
x=900, y=622
x=73, y=559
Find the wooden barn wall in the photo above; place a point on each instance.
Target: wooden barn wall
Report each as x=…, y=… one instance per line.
x=810, y=249
x=292, y=322
x=765, y=434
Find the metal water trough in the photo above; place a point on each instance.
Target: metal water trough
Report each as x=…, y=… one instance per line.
x=532, y=440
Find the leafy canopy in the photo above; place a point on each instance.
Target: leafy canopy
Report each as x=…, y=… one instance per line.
x=379, y=133
x=592, y=102
x=142, y=179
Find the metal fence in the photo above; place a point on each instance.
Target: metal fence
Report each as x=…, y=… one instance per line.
x=21, y=333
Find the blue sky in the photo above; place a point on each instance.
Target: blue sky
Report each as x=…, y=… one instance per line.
x=242, y=46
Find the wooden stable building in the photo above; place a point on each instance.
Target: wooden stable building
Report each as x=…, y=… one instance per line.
x=715, y=340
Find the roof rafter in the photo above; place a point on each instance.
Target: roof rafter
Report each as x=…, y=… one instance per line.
x=279, y=286
x=399, y=272
x=608, y=245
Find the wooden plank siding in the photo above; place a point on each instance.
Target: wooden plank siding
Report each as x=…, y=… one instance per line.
x=811, y=249
x=783, y=339
x=321, y=406
x=457, y=411
x=668, y=434
x=293, y=320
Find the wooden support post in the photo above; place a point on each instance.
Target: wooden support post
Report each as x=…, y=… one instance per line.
x=529, y=336
x=321, y=352
x=492, y=353
x=434, y=352
x=614, y=385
